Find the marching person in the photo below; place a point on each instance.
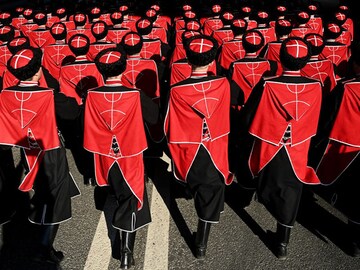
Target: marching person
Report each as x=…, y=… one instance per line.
x=286, y=116
x=25, y=109
x=116, y=114
x=197, y=125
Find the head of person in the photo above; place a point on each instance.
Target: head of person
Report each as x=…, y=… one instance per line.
x=99, y=30
x=238, y=27
x=25, y=64
x=79, y=44
x=111, y=62
x=294, y=53
x=7, y=33
x=316, y=43
x=252, y=41
x=200, y=50
x=132, y=43
x=283, y=27
x=144, y=26
x=18, y=43
x=58, y=31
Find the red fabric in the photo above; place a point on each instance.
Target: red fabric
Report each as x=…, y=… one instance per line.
x=212, y=24
x=122, y=136
x=349, y=26
x=301, y=31
x=142, y=74
x=231, y=51
x=223, y=35
x=178, y=53
x=131, y=24
x=95, y=48
x=316, y=24
x=248, y=74
x=323, y=71
x=151, y=50
x=344, y=144
x=51, y=21
x=273, y=53
x=84, y=31
x=55, y=56
x=268, y=33
x=160, y=33
x=189, y=106
x=338, y=55
x=345, y=38
x=284, y=104
x=40, y=39
x=17, y=22
x=76, y=79
x=5, y=55
x=182, y=70
x=10, y=80
x=28, y=27
x=116, y=35
x=23, y=116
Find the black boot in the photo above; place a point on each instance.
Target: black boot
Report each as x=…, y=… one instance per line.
x=127, y=248
x=282, y=240
x=354, y=230
x=202, y=236
x=47, y=252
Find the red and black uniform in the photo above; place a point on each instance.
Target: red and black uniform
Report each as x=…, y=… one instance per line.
x=286, y=119
x=25, y=110
x=338, y=169
x=197, y=128
x=115, y=114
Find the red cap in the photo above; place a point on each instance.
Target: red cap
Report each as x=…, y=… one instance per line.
x=296, y=48
x=253, y=37
x=312, y=7
x=18, y=41
x=21, y=59
x=5, y=15
x=58, y=28
x=156, y=7
x=186, y=7
x=284, y=23
x=314, y=40
x=151, y=13
x=116, y=15
x=132, y=39
x=228, y=16
x=263, y=14
x=190, y=14
x=193, y=25
x=28, y=12
x=123, y=8
x=80, y=17
x=246, y=9
x=281, y=8
x=189, y=34
x=334, y=28
x=95, y=11
x=110, y=57
x=216, y=9
x=78, y=42
x=201, y=45
x=60, y=11
x=98, y=27
x=5, y=29
x=40, y=16
x=239, y=23
x=143, y=23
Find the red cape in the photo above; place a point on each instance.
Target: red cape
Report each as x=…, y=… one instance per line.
x=55, y=56
x=40, y=39
x=273, y=53
x=23, y=116
x=283, y=104
x=344, y=140
x=116, y=118
x=231, y=51
x=189, y=106
x=248, y=74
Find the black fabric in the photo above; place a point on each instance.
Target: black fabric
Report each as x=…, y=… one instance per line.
x=207, y=187
x=279, y=190
x=53, y=190
x=127, y=217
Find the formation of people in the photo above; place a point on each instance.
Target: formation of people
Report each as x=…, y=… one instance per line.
x=268, y=98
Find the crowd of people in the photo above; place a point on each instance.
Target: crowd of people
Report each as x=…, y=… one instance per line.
x=265, y=96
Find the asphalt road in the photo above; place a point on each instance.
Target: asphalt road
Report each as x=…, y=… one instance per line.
x=240, y=241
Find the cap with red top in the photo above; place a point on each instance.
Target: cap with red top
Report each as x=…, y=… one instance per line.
x=186, y=8
x=95, y=13
x=252, y=41
x=216, y=9
x=188, y=34
x=28, y=14
x=25, y=63
x=60, y=13
x=156, y=7
x=200, y=50
x=332, y=30
x=18, y=43
x=110, y=62
x=226, y=18
x=189, y=15
x=40, y=18
x=132, y=43
x=116, y=17
x=246, y=11
x=144, y=26
x=302, y=17
x=262, y=17
x=312, y=9
x=79, y=44
x=239, y=26
x=151, y=14
x=340, y=18
x=79, y=19
x=124, y=9
x=283, y=27
x=99, y=30
x=7, y=33
x=5, y=18
x=316, y=43
x=193, y=25
x=19, y=10
x=58, y=31
x=294, y=53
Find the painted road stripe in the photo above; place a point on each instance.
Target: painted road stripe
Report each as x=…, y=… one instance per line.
x=157, y=241
x=100, y=251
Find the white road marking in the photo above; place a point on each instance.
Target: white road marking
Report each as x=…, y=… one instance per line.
x=100, y=251
x=157, y=241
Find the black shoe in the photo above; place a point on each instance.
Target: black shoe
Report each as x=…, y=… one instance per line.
x=281, y=251
x=201, y=239
x=127, y=260
x=127, y=247
x=355, y=249
x=44, y=255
